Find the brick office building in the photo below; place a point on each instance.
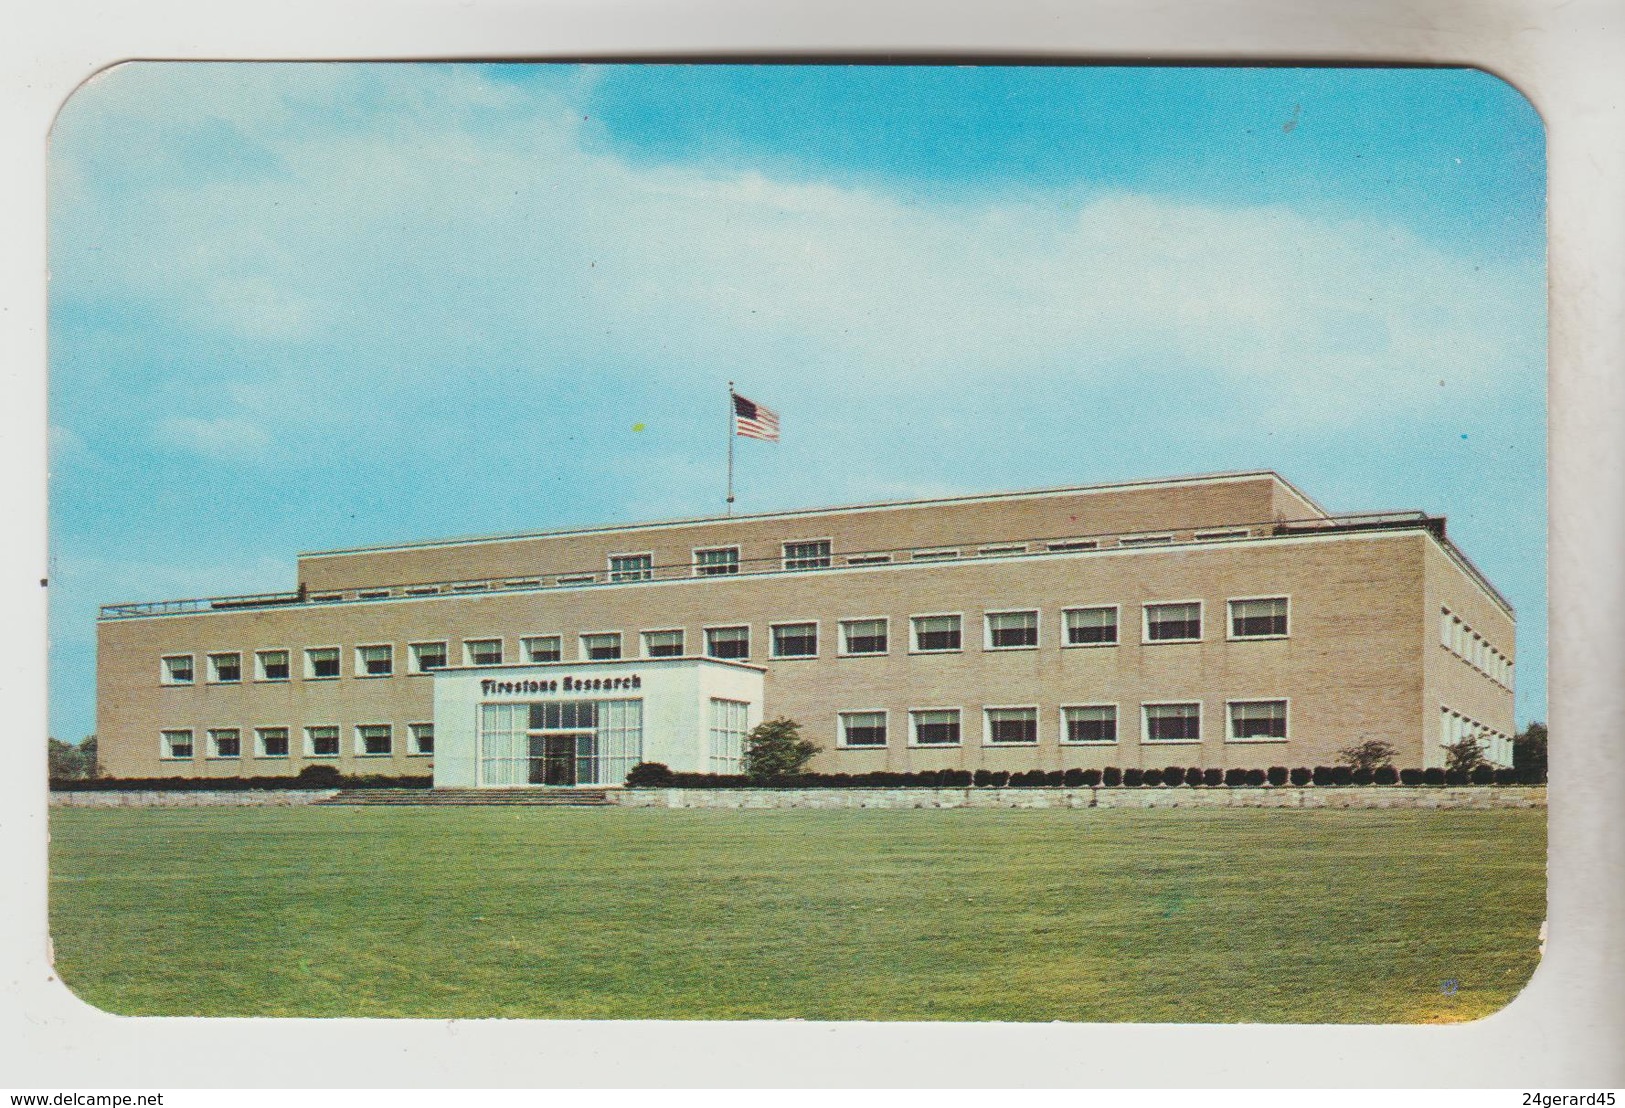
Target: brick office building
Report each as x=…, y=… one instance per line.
x=1215, y=621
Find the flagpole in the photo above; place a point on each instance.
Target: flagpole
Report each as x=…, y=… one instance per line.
x=730, y=448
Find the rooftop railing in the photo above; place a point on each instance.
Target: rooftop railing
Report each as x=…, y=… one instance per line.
x=1159, y=539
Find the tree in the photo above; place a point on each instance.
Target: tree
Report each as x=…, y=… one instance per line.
x=1466, y=753
x=66, y=760
x=1371, y=754
x=776, y=749
x=1529, y=750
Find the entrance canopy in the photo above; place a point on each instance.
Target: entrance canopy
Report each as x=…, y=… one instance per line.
x=589, y=723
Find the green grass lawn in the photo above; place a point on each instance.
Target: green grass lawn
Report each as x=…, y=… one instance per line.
x=1184, y=916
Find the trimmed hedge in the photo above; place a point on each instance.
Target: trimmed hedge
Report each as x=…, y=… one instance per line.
x=234, y=784
x=652, y=775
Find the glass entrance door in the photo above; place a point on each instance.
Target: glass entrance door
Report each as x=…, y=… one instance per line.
x=559, y=759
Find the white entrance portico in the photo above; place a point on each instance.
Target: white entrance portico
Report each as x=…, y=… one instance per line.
x=589, y=723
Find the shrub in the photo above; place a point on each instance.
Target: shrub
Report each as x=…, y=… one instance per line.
x=1506, y=775
x=1385, y=775
x=1410, y=777
x=1300, y=776
x=1483, y=775
x=1363, y=775
x=1454, y=777
x=999, y=778
x=775, y=748
x=1277, y=775
x=320, y=777
x=1055, y=778
x=1132, y=778
x=1465, y=754
x=1322, y=776
x=1254, y=777
x=1173, y=776
x=1111, y=777
x=1194, y=776
x=1091, y=778
x=1072, y=778
x=1213, y=778
x=1152, y=778
x=1367, y=755
x=982, y=779
x=1235, y=777
x=1342, y=775
x=1434, y=776
x=649, y=775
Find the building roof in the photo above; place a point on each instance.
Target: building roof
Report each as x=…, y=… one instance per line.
x=801, y=513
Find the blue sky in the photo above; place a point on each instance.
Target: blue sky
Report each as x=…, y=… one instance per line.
x=312, y=305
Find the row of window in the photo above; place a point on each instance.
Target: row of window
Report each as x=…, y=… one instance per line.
x=1453, y=727
x=368, y=740
x=1472, y=648
x=1080, y=724
x=803, y=554
x=1253, y=618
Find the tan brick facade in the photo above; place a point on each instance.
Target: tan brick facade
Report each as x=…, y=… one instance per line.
x=1361, y=657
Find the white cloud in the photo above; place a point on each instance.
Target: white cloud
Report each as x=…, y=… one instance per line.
x=466, y=217
x=224, y=438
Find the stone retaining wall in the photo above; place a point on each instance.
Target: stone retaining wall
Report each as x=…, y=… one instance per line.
x=1375, y=796
x=189, y=798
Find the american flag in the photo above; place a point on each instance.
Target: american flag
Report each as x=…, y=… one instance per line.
x=754, y=420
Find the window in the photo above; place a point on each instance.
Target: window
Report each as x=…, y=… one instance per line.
x=1011, y=630
x=483, y=652
x=322, y=662
x=175, y=744
x=176, y=669
x=374, y=661
x=225, y=742
x=427, y=656
x=578, y=579
x=1091, y=626
x=1257, y=720
x=542, y=648
x=730, y=720
x=1173, y=622
x=420, y=738
x=933, y=555
x=727, y=642
x=936, y=633
x=1146, y=540
x=472, y=586
x=423, y=590
x=1213, y=536
x=795, y=640
x=869, y=560
x=1258, y=619
x=807, y=555
x=327, y=597
x=863, y=636
x=862, y=729
x=1444, y=628
x=604, y=647
x=716, y=562
x=225, y=669
x=935, y=726
x=373, y=740
x=990, y=551
x=1089, y=723
x=372, y=594
x=1173, y=723
x=1012, y=726
x=272, y=665
x=322, y=742
x=1071, y=544
x=524, y=583
x=662, y=644
x=271, y=742
x=631, y=567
